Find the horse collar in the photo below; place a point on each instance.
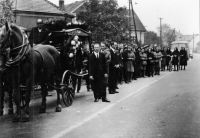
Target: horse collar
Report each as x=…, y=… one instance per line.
x=20, y=57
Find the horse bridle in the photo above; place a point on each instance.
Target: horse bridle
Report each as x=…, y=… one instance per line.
x=5, y=40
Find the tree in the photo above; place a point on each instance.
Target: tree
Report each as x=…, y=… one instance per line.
x=105, y=20
x=150, y=38
x=6, y=11
x=167, y=35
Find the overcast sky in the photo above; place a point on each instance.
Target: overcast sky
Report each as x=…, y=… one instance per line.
x=183, y=15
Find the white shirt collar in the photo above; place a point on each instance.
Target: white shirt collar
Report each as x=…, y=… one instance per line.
x=40, y=30
x=96, y=54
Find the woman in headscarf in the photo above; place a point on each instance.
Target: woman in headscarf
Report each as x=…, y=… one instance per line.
x=163, y=60
x=175, y=60
x=143, y=60
x=168, y=57
x=183, y=58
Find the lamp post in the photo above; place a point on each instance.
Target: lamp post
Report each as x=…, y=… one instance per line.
x=160, y=32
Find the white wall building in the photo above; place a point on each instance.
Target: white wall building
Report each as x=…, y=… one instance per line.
x=194, y=44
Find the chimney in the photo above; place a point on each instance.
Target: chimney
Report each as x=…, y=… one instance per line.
x=61, y=4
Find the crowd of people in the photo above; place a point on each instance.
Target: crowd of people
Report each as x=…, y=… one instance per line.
x=110, y=64
x=124, y=63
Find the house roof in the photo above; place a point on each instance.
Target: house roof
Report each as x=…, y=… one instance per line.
x=187, y=37
x=139, y=25
x=73, y=7
x=40, y=6
x=70, y=8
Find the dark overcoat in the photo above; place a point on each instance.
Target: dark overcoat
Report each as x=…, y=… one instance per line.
x=168, y=56
x=175, y=57
x=112, y=80
x=97, y=69
x=183, y=57
x=37, y=37
x=150, y=62
x=164, y=58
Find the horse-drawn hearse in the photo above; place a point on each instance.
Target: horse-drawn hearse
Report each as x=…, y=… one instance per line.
x=48, y=65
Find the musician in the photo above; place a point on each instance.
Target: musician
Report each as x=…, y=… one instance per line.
x=98, y=73
x=150, y=63
x=129, y=63
x=38, y=34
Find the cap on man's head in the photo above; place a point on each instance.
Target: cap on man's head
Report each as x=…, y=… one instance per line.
x=130, y=47
x=39, y=21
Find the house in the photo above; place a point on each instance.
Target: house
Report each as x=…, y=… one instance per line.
x=140, y=29
x=26, y=12
x=194, y=43
x=78, y=6
x=187, y=37
x=74, y=8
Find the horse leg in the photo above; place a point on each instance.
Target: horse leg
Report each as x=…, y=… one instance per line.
x=44, y=94
x=58, y=107
x=1, y=98
x=17, y=95
x=25, y=112
x=10, y=110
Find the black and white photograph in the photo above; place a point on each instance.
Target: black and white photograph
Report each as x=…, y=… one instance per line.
x=99, y=68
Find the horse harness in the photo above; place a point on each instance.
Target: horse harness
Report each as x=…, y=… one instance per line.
x=24, y=52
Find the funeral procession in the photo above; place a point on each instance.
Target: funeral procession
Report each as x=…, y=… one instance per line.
x=99, y=69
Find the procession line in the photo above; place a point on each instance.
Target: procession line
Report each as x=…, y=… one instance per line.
x=136, y=93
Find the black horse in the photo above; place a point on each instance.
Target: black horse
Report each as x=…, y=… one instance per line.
x=28, y=65
x=5, y=85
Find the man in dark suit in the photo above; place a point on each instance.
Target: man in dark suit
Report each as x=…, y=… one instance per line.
x=112, y=78
x=98, y=73
x=38, y=34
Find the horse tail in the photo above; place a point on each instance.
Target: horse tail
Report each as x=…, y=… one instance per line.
x=57, y=65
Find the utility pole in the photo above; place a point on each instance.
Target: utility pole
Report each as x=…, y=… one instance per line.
x=129, y=23
x=133, y=14
x=160, y=33
x=193, y=42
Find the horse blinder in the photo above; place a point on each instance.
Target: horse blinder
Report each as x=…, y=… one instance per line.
x=5, y=40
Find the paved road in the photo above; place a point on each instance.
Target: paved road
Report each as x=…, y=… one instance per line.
x=165, y=106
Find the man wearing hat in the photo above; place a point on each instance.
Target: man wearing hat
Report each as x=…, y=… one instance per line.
x=38, y=34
